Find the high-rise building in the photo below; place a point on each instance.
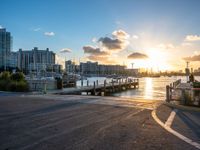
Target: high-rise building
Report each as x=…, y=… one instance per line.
x=35, y=60
x=69, y=67
x=5, y=48
x=13, y=58
x=89, y=68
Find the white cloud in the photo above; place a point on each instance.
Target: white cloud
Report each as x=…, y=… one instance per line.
x=1, y=27
x=192, y=38
x=120, y=34
x=49, y=33
x=65, y=50
x=135, y=37
x=94, y=40
x=196, y=52
x=37, y=29
x=166, y=46
x=60, y=60
x=186, y=44
x=119, y=41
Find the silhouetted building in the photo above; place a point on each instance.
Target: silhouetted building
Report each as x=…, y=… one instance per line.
x=111, y=69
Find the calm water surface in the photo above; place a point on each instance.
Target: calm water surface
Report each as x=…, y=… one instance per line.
x=149, y=88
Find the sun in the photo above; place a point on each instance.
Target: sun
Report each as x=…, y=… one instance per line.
x=157, y=61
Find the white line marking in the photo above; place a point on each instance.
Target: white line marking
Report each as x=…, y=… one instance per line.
x=169, y=121
x=180, y=136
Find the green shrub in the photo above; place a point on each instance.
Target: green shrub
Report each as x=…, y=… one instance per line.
x=22, y=86
x=11, y=86
x=14, y=82
x=4, y=84
x=18, y=76
x=196, y=84
x=5, y=75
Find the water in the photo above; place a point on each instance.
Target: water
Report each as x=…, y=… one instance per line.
x=149, y=88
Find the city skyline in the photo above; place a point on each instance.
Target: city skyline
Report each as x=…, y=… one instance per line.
x=159, y=34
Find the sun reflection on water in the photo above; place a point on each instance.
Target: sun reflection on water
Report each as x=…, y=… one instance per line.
x=148, y=88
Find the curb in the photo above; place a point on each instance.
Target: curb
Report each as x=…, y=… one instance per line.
x=175, y=133
x=182, y=107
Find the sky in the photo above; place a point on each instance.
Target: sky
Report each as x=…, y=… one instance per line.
x=156, y=34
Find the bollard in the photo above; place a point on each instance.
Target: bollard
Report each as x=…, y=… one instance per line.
x=167, y=93
x=104, y=87
x=45, y=87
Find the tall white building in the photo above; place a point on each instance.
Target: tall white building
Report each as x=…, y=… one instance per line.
x=35, y=60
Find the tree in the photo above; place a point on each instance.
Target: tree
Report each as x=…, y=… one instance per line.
x=18, y=76
x=5, y=75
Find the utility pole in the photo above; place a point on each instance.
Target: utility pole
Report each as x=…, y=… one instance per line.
x=132, y=65
x=187, y=71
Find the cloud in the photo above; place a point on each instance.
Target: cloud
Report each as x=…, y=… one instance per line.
x=107, y=47
x=65, y=50
x=93, y=50
x=96, y=54
x=137, y=56
x=37, y=29
x=94, y=40
x=1, y=27
x=192, y=58
x=166, y=46
x=111, y=44
x=120, y=34
x=60, y=60
x=135, y=37
x=118, y=42
x=101, y=59
x=49, y=33
x=192, y=38
x=186, y=44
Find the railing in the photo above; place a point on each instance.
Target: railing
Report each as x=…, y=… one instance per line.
x=184, y=93
x=111, y=83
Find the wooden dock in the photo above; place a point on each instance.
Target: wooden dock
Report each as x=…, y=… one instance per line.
x=102, y=89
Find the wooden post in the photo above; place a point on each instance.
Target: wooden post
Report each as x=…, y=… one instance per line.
x=120, y=87
x=170, y=84
x=81, y=82
x=87, y=82
x=94, y=89
x=104, y=87
x=112, y=85
x=167, y=93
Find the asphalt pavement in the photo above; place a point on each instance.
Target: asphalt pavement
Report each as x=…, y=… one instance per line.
x=86, y=122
